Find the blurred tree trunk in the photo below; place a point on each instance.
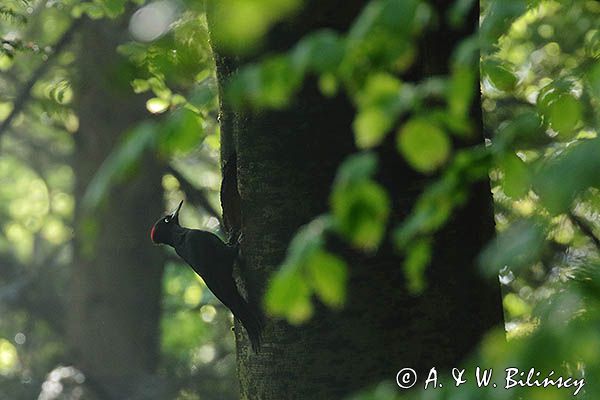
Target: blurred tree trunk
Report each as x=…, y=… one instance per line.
x=116, y=280
x=286, y=161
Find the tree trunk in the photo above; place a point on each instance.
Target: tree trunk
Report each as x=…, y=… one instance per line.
x=116, y=279
x=286, y=162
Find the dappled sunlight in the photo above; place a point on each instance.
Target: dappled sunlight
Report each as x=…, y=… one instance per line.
x=9, y=358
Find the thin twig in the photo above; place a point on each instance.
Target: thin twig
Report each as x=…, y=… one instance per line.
x=25, y=93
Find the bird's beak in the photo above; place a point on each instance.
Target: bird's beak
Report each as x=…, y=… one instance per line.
x=175, y=215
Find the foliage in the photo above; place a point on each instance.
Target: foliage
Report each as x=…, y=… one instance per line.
x=539, y=75
x=540, y=79
x=38, y=194
x=367, y=63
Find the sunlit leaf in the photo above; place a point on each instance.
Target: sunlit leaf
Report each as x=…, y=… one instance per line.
x=308, y=240
x=564, y=114
x=499, y=75
x=182, y=132
x=461, y=91
x=140, y=85
x=497, y=19
x=92, y=10
x=360, y=211
x=278, y=82
x=515, y=306
x=157, y=105
x=328, y=85
x=370, y=127
x=113, y=8
x=424, y=145
x=360, y=206
x=9, y=358
x=516, y=180
x=329, y=276
x=239, y=25
x=380, y=90
x=431, y=211
x=380, y=104
x=288, y=296
x=417, y=259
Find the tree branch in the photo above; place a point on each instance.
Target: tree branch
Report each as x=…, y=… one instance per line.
x=196, y=195
x=25, y=93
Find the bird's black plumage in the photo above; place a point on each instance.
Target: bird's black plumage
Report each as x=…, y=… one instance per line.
x=213, y=260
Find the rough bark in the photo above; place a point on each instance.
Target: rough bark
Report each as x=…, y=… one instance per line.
x=286, y=161
x=114, y=305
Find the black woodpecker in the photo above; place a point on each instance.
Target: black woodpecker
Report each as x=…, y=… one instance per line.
x=213, y=260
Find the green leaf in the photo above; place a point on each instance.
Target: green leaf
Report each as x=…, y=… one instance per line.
x=461, y=91
x=361, y=211
x=459, y=12
x=370, y=127
x=239, y=25
x=379, y=105
x=593, y=81
x=523, y=131
x=355, y=168
x=431, y=211
x=423, y=144
x=288, y=296
x=320, y=52
x=268, y=85
x=516, y=179
x=417, y=259
x=182, y=132
x=515, y=306
x=329, y=277
x=308, y=240
x=140, y=85
x=204, y=95
x=380, y=90
x=360, y=206
x=136, y=52
x=498, y=18
x=278, y=83
x=328, y=85
x=561, y=179
x=434, y=206
x=157, y=105
x=548, y=94
x=113, y=8
x=564, y=114
x=499, y=75
x=92, y=10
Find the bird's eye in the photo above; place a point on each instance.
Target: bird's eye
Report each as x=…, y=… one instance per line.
x=166, y=219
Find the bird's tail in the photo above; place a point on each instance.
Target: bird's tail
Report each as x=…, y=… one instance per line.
x=250, y=319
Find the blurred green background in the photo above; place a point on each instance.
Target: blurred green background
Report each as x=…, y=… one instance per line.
x=109, y=114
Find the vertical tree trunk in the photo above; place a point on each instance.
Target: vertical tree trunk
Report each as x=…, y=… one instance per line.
x=286, y=161
x=116, y=279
